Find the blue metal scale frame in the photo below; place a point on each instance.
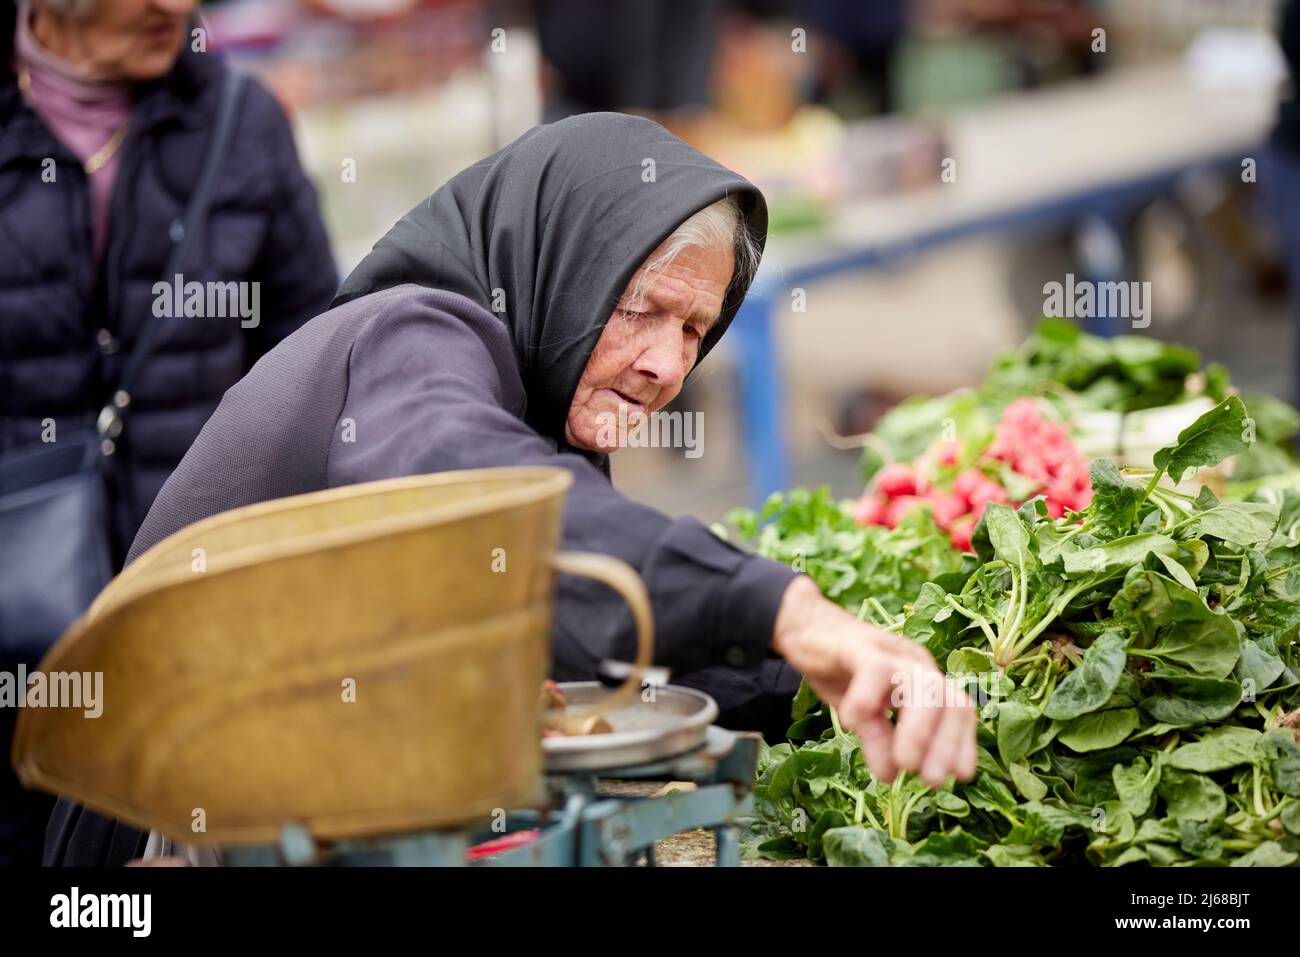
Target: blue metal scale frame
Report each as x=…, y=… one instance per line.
x=582, y=828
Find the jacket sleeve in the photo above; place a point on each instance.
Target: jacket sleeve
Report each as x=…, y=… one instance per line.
x=430, y=393
x=295, y=267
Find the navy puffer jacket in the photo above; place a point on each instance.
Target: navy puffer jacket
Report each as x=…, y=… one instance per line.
x=68, y=324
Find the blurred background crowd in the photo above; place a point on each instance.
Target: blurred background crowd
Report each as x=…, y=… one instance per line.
x=844, y=113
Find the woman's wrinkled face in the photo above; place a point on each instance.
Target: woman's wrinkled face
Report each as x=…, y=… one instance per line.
x=648, y=346
x=125, y=40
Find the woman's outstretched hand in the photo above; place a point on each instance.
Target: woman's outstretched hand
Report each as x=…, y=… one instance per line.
x=864, y=672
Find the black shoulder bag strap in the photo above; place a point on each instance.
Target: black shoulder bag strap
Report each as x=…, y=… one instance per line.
x=184, y=232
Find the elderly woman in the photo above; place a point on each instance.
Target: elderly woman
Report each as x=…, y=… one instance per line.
x=107, y=109
x=584, y=269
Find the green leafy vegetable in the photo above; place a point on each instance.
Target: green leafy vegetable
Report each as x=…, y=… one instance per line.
x=1136, y=665
x=1220, y=433
x=1090, y=685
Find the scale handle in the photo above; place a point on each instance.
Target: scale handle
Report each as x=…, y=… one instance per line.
x=623, y=578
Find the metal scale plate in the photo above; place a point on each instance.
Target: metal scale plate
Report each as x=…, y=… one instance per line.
x=673, y=722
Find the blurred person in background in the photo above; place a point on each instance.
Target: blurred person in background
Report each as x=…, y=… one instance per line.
x=856, y=74
x=641, y=56
x=106, y=109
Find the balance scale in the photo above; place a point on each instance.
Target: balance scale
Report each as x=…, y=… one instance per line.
x=669, y=738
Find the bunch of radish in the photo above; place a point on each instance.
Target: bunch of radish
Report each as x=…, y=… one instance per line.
x=1037, y=449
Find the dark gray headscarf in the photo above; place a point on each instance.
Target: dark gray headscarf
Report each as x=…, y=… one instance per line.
x=558, y=221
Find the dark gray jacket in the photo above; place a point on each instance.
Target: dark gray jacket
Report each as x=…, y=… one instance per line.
x=430, y=383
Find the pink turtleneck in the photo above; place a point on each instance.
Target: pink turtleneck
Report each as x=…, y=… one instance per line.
x=81, y=110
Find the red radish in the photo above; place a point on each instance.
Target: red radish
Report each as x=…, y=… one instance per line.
x=896, y=479
x=1001, y=448
x=966, y=483
x=947, y=508
x=1073, y=473
x=899, y=507
x=1032, y=465
x=1061, y=489
x=870, y=510
x=960, y=532
x=1036, y=448
x=1022, y=412
x=1054, y=455
x=987, y=491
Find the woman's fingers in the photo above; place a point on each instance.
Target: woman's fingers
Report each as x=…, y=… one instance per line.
x=969, y=760
x=877, y=736
x=864, y=673
x=863, y=709
x=935, y=732
x=948, y=745
x=919, y=695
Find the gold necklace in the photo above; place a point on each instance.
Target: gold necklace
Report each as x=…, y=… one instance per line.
x=96, y=160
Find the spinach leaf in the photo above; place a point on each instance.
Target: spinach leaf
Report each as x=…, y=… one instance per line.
x=934, y=623
x=1094, y=784
x=1132, y=855
x=1100, y=729
x=989, y=794
x=1045, y=825
x=1200, y=838
x=1268, y=854
x=805, y=701
x=1218, y=434
x=1178, y=627
x=783, y=848
x=1136, y=784
x=1176, y=570
x=1008, y=536
x=801, y=764
x=1103, y=561
x=1192, y=796
x=1185, y=700
x=1241, y=523
x=1258, y=665
x=967, y=661
x=857, y=847
x=1114, y=508
x=1022, y=730
x=1283, y=754
x=826, y=821
x=1090, y=685
x=1013, y=855
x=949, y=849
x=950, y=804
x=1163, y=831
x=1219, y=750
x=1027, y=783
